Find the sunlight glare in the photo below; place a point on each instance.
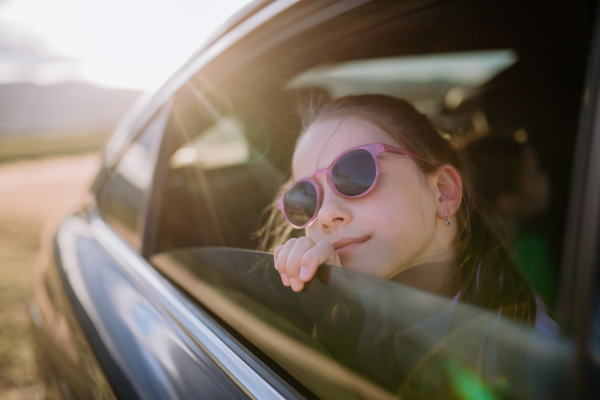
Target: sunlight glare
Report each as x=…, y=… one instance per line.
x=127, y=43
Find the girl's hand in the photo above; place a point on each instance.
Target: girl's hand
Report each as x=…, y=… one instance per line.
x=298, y=259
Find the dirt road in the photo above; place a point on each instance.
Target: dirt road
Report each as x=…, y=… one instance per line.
x=30, y=193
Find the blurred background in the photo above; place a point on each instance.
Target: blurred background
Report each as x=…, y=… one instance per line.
x=69, y=70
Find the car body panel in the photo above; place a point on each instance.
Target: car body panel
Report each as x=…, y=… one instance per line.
x=137, y=345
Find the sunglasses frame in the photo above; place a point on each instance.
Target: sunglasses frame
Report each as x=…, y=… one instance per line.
x=373, y=148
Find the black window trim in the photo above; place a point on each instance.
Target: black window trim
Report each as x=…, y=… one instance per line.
x=582, y=236
x=164, y=114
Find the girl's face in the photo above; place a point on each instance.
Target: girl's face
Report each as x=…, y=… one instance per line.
x=389, y=230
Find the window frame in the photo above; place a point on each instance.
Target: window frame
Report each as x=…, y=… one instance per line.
x=582, y=236
x=146, y=196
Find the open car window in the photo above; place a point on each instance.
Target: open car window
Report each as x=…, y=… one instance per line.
x=218, y=174
x=353, y=336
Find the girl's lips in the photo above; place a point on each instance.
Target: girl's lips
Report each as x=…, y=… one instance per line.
x=344, y=246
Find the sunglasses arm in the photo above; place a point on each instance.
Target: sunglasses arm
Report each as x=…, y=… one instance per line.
x=396, y=150
x=279, y=203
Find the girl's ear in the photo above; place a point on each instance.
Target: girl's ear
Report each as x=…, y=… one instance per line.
x=450, y=189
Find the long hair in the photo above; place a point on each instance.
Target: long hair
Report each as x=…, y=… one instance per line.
x=482, y=270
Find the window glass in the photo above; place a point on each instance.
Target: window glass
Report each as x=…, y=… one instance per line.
x=352, y=336
x=218, y=176
x=122, y=197
x=220, y=145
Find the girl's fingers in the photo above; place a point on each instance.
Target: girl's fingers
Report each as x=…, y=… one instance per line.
x=301, y=246
x=298, y=259
x=321, y=253
x=277, y=251
x=281, y=259
x=285, y=280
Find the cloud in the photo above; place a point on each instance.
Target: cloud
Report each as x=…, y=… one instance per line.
x=26, y=55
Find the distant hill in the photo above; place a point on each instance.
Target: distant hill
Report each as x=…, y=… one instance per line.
x=71, y=108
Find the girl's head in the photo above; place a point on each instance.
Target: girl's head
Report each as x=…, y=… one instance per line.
x=401, y=223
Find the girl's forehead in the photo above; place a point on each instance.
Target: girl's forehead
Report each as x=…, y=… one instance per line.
x=325, y=140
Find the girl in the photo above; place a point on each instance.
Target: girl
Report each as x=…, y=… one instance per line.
x=377, y=190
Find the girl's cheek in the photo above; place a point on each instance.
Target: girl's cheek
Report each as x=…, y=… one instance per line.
x=312, y=231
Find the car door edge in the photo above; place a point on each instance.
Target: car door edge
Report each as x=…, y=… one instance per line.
x=242, y=374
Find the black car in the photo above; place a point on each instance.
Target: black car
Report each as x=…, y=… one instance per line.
x=154, y=289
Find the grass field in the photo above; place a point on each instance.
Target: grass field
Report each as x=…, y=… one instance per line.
x=31, y=192
x=15, y=146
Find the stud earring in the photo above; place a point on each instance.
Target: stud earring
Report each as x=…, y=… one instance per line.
x=448, y=222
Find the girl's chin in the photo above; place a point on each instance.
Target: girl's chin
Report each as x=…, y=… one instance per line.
x=366, y=266
x=357, y=264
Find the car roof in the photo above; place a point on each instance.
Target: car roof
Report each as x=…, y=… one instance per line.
x=232, y=22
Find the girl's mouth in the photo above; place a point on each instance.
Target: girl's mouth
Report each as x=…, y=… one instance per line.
x=346, y=245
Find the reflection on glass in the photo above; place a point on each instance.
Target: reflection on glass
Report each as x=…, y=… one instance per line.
x=354, y=173
x=300, y=203
x=352, y=336
x=222, y=144
x=136, y=166
x=121, y=198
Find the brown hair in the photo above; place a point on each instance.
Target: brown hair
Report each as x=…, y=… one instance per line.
x=482, y=269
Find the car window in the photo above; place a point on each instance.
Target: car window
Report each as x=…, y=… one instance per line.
x=353, y=336
x=122, y=197
x=218, y=175
x=220, y=145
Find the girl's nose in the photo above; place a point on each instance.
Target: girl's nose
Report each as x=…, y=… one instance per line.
x=334, y=211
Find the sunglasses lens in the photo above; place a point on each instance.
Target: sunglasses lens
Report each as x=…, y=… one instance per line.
x=354, y=173
x=300, y=203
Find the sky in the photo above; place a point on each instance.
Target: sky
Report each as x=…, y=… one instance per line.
x=116, y=43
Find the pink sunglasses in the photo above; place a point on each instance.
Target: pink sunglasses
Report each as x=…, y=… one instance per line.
x=352, y=174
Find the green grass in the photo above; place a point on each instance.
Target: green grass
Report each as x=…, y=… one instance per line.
x=18, y=372
x=31, y=192
x=19, y=146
